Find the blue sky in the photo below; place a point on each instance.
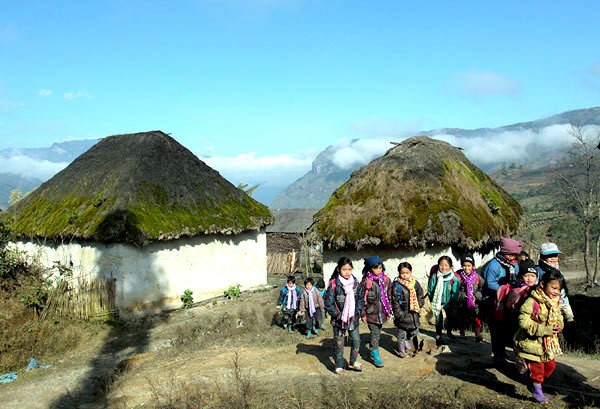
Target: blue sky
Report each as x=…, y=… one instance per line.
x=267, y=84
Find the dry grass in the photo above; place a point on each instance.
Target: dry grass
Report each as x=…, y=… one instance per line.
x=24, y=335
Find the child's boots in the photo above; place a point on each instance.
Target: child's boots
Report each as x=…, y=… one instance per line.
x=308, y=334
x=290, y=328
x=402, y=350
x=538, y=395
x=376, y=358
x=316, y=330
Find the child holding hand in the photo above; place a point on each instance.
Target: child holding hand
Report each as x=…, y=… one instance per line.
x=311, y=306
x=540, y=321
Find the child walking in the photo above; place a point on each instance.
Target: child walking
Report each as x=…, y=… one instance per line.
x=342, y=303
x=311, y=306
x=469, y=297
x=375, y=289
x=540, y=321
x=442, y=290
x=320, y=284
x=287, y=302
x=407, y=301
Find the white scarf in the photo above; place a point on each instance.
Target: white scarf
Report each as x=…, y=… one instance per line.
x=436, y=303
x=311, y=301
x=292, y=299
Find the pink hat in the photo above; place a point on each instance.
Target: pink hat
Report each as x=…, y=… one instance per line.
x=510, y=246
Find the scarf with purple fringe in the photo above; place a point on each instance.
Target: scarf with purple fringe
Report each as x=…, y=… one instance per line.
x=469, y=281
x=387, y=309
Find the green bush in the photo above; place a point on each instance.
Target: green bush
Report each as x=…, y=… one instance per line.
x=233, y=292
x=187, y=299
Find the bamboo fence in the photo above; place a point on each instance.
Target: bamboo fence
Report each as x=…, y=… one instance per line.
x=84, y=299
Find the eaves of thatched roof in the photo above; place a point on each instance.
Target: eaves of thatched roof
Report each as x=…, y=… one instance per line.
x=136, y=188
x=422, y=193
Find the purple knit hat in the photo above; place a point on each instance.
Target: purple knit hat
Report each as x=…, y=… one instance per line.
x=510, y=246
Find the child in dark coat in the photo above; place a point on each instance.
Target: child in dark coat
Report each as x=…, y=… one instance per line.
x=343, y=303
x=288, y=301
x=469, y=298
x=407, y=301
x=375, y=287
x=311, y=306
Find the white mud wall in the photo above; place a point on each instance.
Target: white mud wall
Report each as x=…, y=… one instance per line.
x=155, y=276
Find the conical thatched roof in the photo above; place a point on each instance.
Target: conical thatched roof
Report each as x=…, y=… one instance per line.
x=422, y=192
x=136, y=188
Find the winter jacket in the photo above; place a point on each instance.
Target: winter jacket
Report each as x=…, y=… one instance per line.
x=373, y=306
x=282, y=300
x=335, y=299
x=495, y=275
x=450, y=288
x=461, y=297
x=565, y=304
x=529, y=337
x=403, y=317
x=318, y=300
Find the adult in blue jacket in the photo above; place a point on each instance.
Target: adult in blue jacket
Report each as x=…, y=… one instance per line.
x=502, y=269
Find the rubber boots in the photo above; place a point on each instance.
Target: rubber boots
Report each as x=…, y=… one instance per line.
x=538, y=395
x=315, y=330
x=308, y=334
x=408, y=345
x=401, y=350
x=376, y=358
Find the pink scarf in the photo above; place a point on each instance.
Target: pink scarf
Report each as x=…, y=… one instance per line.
x=387, y=309
x=469, y=281
x=349, y=304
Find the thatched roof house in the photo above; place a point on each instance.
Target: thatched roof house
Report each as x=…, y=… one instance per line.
x=143, y=209
x=137, y=189
x=422, y=197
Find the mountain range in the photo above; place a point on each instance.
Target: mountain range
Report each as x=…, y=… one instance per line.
x=536, y=150
x=526, y=142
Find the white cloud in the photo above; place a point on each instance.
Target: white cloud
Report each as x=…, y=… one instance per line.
x=26, y=166
x=45, y=92
x=280, y=170
x=485, y=149
x=480, y=84
x=359, y=152
x=511, y=146
x=78, y=94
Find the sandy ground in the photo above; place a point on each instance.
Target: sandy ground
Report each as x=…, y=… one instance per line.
x=130, y=365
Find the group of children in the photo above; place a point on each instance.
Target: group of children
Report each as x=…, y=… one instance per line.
x=521, y=303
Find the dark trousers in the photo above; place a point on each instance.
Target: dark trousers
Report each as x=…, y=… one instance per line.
x=338, y=345
x=314, y=322
x=375, y=335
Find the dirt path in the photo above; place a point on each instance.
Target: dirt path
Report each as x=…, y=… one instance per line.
x=134, y=367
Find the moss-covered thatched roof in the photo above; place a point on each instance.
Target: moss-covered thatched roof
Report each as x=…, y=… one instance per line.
x=421, y=193
x=136, y=188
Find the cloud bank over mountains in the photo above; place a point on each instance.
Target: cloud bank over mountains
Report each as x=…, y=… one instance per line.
x=274, y=173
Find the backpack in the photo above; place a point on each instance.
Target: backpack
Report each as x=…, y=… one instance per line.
x=499, y=303
x=504, y=303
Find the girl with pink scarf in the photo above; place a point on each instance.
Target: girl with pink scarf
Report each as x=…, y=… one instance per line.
x=343, y=304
